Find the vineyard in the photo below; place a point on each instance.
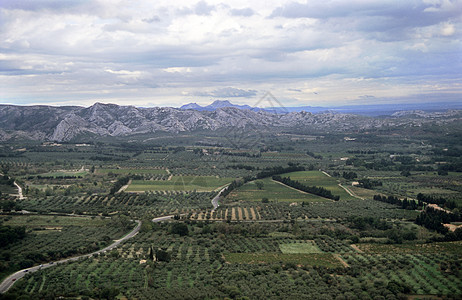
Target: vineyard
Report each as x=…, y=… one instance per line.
x=198, y=259
x=295, y=216
x=50, y=238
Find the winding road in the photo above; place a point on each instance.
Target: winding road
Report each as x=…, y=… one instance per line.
x=10, y=280
x=216, y=198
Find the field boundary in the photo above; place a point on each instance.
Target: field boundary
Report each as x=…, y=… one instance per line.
x=350, y=192
x=301, y=192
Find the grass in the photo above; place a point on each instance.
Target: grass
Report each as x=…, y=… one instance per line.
x=277, y=234
x=64, y=173
x=312, y=259
x=306, y=247
x=180, y=183
x=273, y=191
x=318, y=178
x=363, y=193
x=132, y=171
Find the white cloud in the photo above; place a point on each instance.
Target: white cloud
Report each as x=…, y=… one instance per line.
x=150, y=51
x=448, y=29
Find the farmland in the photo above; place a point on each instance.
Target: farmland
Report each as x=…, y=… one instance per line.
x=313, y=259
x=51, y=237
x=319, y=179
x=180, y=183
x=265, y=239
x=272, y=191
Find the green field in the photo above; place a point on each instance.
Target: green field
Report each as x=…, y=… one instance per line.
x=132, y=171
x=318, y=178
x=272, y=190
x=64, y=174
x=180, y=183
x=305, y=247
x=314, y=259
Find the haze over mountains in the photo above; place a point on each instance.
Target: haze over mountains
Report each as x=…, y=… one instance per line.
x=69, y=122
x=365, y=109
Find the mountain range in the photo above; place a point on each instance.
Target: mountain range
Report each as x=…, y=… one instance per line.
x=364, y=109
x=218, y=104
x=48, y=123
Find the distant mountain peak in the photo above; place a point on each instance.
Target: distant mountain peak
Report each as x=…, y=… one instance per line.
x=221, y=103
x=191, y=106
x=217, y=104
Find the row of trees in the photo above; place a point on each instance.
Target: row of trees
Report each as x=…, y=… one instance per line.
x=436, y=200
x=405, y=204
x=268, y=172
x=349, y=175
x=119, y=183
x=316, y=190
x=435, y=219
x=314, y=155
x=369, y=183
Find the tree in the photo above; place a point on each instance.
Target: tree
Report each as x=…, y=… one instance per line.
x=179, y=228
x=259, y=184
x=405, y=173
x=162, y=255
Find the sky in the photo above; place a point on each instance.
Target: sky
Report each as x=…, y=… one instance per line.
x=168, y=53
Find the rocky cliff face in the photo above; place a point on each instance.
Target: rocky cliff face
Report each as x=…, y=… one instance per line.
x=66, y=123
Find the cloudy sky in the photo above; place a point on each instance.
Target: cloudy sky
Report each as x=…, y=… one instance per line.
x=168, y=53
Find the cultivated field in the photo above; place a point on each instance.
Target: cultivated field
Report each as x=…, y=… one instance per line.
x=273, y=191
x=180, y=183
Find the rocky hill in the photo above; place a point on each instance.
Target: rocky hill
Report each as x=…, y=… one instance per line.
x=67, y=123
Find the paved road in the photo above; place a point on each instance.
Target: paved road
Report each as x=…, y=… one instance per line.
x=216, y=198
x=160, y=219
x=10, y=280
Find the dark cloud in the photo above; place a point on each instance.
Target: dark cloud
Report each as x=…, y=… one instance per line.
x=243, y=12
x=228, y=92
x=366, y=97
x=51, y=5
x=373, y=15
x=203, y=9
x=153, y=19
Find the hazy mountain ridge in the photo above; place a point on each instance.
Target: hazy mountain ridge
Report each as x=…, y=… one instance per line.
x=365, y=109
x=66, y=123
x=218, y=104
